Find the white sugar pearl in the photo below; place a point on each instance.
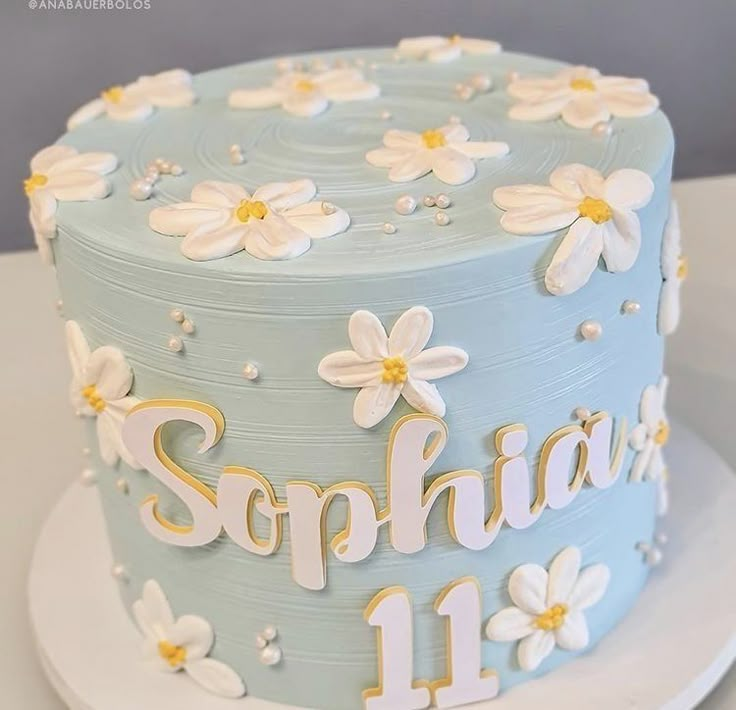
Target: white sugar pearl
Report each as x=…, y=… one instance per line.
x=661, y=538
x=455, y=119
x=187, y=326
x=328, y=208
x=177, y=315
x=177, y=170
x=165, y=167
x=88, y=477
x=389, y=228
x=428, y=201
x=653, y=556
x=464, y=92
x=442, y=219
x=86, y=451
x=631, y=307
x=271, y=655
x=591, y=329
x=513, y=76
x=159, y=162
x=59, y=305
x=119, y=572
x=405, y=204
x=261, y=641
x=386, y=115
x=481, y=82
x=151, y=175
x=175, y=344
x=442, y=201
x=360, y=62
x=270, y=632
x=602, y=129
x=122, y=486
x=582, y=413
x=250, y=371
x=140, y=189
x=284, y=64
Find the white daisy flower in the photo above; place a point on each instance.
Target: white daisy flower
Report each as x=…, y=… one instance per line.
x=171, y=645
x=647, y=439
x=386, y=367
x=549, y=607
x=446, y=151
x=674, y=272
x=307, y=94
x=581, y=96
x=600, y=213
x=137, y=101
x=278, y=221
x=60, y=173
x=445, y=49
x=101, y=382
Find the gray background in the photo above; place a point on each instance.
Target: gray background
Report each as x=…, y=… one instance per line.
x=53, y=61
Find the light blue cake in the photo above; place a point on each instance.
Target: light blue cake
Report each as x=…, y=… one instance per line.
x=544, y=309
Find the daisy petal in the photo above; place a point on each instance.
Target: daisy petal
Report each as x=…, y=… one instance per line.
x=578, y=181
x=373, y=404
x=590, y=587
x=628, y=189
x=413, y=166
x=563, y=573
x=509, y=624
x=573, y=634
x=417, y=47
x=539, y=89
x=368, y=336
x=216, y=677
x=109, y=371
x=621, y=241
x=452, y=166
x=424, y=397
x=348, y=369
x=534, y=649
x=205, y=243
x=78, y=350
x=651, y=407
x=411, y=332
x=531, y=195
x=145, y=622
x=181, y=218
x=631, y=104
x=274, y=238
x=585, y=111
x=256, y=98
x=286, y=195
x=671, y=243
x=350, y=90
x=195, y=634
x=86, y=113
x=109, y=438
x=640, y=466
x=472, y=45
x=668, y=316
x=539, y=218
x=543, y=110
x=78, y=186
x=101, y=163
x=528, y=588
x=131, y=108
x=455, y=133
x=576, y=258
x=403, y=140
x=306, y=104
x=311, y=219
x=45, y=159
x=482, y=149
x=438, y=362
x=638, y=437
x=446, y=53
x=218, y=193
x=157, y=605
x=385, y=157
x=43, y=212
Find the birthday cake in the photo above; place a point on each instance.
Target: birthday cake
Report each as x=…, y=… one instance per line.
x=369, y=346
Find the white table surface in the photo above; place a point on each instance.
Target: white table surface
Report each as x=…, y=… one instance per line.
x=34, y=470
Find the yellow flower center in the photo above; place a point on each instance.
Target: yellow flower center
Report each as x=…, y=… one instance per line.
x=395, y=370
x=434, y=138
x=683, y=268
x=93, y=398
x=175, y=656
x=455, y=38
x=247, y=209
x=663, y=433
x=31, y=183
x=582, y=85
x=113, y=95
x=304, y=85
x=597, y=210
x=551, y=619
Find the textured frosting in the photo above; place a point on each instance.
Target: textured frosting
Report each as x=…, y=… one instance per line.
x=485, y=288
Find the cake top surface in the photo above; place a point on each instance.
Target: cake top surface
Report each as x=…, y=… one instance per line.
x=330, y=150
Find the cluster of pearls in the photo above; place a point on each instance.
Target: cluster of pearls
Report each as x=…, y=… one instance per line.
x=630, y=308
x=270, y=652
x=407, y=204
x=142, y=188
x=236, y=154
x=250, y=371
x=591, y=330
x=653, y=553
x=176, y=344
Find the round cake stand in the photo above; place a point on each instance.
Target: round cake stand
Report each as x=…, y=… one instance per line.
x=671, y=649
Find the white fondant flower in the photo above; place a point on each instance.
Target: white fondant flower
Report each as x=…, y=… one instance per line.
x=445, y=49
x=600, y=213
x=182, y=644
x=278, y=221
x=581, y=96
x=549, y=607
x=137, y=101
x=307, y=94
x=60, y=173
x=674, y=272
x=445, y=151
x=101, y=381
x=387, y=367
x=647, y=439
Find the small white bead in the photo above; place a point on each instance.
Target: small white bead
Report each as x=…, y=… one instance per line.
x=328, y=208
x=165, y=167
x=389, y=228
x=455, y=119
x=175, y=344
x=122, y=486
x=661, y=538
x=481, y=82
x=151, y=175
x=88, y=477
x=591, y=329
x=119, y=572
x=177, y=315
x=140, y=189
x=386, y=115
x=187, y=326
x=429, y=201
x=653, y=556
x=261, y=641
x=86, y=451
x=513, y=76
x=250, y=371
x=374, y=65
x=271, y=655
x=159, y=163
x=442, y=219
x=405, y=204
x=236, y=154
x=177, y=170
x=59, y=305
x=442, y=201
x=360, y=62
x=464, y=92
x=582, y=413
x=631, y=307
x=284, y=64
x=270, y=632
x=602, y=129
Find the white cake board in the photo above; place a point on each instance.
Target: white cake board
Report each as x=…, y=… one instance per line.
x=668, y=653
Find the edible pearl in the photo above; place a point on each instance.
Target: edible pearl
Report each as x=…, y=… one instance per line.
x=591, y=329
x=428, y=201
x=631, y=307
x=602, y=129
x=119, y=572
x=187, y=326
x=582, y=413
x=140, y=190
x=177, y=170
x=389, y=228
x=661, y=538
x=442, y=219
x=175, y=344
x=653, y=556
x=159, y=163
x=455, y=119
x=151, y=175
x=271, y=655
x=88, y=477
x=481, y=82
x=250, y=371
x=464, y=92
x=59, y=305
x=270, y=632
x=328, y=208
x=86, y=451
x=442, y=201
x=177, y=315
x=236, y=154
x=284, y=64
x=405, y=205
x=513, y=76
x=261, y=641
x=386, y=115
x=122, y=486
